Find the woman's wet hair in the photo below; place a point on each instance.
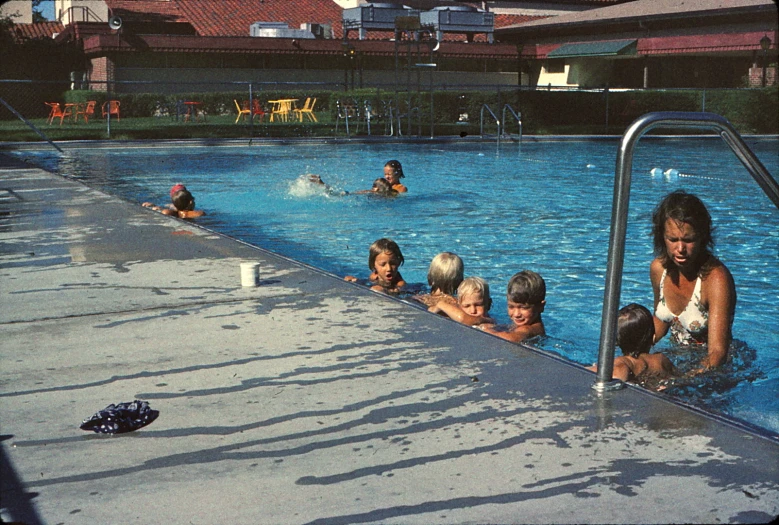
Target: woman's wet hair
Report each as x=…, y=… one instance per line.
x=396, y=167
x=183, y=200
x=382, y=246
x=526, y=287
x=635, y=330
x=682, y=207
x=445, y=273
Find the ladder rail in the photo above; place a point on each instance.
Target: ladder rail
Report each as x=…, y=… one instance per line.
x=517, y=117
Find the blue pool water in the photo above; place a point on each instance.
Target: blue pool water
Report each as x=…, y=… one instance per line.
x=543, y=206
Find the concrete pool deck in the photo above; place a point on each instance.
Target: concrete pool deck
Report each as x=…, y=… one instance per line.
x=308, y=399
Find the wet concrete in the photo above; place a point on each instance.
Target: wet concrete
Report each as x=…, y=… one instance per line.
x=308, y=399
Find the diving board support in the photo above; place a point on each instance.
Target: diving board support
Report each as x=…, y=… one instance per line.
x=619, y=214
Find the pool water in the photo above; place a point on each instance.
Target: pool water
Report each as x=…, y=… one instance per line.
x=543, y=206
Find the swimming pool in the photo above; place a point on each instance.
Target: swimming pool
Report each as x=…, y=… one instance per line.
x=543, y=206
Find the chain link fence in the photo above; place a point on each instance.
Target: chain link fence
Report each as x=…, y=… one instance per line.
x=39, y=110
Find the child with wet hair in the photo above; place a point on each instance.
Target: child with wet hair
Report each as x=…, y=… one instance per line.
x=473, y=303
x=182, y=204
x=384, y=261
x=381, y=186
x=444, y=276
x=635, y=334
x=393, y=172
x=526, y=300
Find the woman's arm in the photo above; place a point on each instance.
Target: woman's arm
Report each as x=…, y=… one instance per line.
x=719, y=292
x=655, y=274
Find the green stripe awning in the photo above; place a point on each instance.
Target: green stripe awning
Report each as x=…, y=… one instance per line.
x=595, y=49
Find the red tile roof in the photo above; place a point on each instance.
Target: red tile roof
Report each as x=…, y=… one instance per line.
x=22, y=32
x=135, y=10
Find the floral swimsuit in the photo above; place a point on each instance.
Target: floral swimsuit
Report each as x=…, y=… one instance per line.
x=689, y=327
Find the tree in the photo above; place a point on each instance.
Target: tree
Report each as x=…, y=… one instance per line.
x=37, y=14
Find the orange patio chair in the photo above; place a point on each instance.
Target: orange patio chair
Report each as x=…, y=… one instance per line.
x=243, y=110
x=87, y=110
x=112, y=110
x=257, y=109
x=57, y=112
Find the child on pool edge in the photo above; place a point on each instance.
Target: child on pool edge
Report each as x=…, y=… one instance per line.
x=526, y=298
x=444, y=276
x=473, y=303
x=384, y=260
x=182, y=204
x=393, y=172
x=635, y=333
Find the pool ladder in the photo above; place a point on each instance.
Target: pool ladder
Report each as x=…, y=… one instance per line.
x=499, y=122
x=619, y=214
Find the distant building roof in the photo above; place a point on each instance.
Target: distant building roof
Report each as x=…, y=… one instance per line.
x=22, y=32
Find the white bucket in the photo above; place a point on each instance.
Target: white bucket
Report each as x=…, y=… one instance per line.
x=250, y=274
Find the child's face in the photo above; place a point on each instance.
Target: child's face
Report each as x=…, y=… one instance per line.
x=473, y=304
x=390, y=175
x=386, y=266
x=523, y=314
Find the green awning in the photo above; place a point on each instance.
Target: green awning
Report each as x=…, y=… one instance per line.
x=595, y=49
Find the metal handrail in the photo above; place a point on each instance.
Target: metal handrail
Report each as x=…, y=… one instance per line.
x=619, y=214
x=517, y=116
x=481, y=120
x=29, y=124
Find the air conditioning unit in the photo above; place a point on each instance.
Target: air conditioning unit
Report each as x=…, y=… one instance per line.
x=320, y=31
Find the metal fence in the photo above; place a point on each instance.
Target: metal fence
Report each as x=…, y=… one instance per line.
x=158, y=110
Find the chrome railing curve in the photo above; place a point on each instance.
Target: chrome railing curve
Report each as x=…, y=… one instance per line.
x=481, y=121
x=517, y=117
x=619, y=214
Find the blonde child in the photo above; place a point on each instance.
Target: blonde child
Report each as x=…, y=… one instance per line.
x=444, y=276
x=635, y=333
x=473, y=303
x=384, y=261
x=526, y=298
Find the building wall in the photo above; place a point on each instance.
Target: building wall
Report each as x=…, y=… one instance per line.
x=20, y=11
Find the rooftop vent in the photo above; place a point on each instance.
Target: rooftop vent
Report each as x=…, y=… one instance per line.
x=277, y=30
x=459, y=19
x=320, y=31
x=375, y=16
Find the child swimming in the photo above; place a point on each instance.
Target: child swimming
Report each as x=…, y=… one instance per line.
x=526, y=298
x=380, y=187
x=384, y=260
x=473, y=303
x=635, y=333
x=444, y=276
x=393, y=172
x=182, y=204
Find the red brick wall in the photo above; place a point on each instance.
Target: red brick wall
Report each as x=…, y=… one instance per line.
x=102, y=72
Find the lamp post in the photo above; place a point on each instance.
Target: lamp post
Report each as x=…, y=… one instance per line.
x=765, y=43
x=349, y=53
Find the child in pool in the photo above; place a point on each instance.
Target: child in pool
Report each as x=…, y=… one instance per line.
x=182, y=204
x=444, y=276
x=380, y=187
x=393, y=172
x=384, y=260
x=526, y=298
x=635, y=333
x=473, y=303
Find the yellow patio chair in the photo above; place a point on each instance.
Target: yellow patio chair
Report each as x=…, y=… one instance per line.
x=307, y=110
x=242, y=110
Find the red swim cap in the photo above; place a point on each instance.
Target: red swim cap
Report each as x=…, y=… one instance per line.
x=177, y=187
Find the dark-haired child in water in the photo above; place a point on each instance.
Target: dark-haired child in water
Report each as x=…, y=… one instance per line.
x=473, y=303
x=380, y=187
x=444, y=276
x=384, y=261
x=393, y=172
x=635, y=333
x=526, y=299
x=182, y=204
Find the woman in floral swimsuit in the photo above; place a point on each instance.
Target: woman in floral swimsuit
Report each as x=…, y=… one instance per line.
x=688, y=279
